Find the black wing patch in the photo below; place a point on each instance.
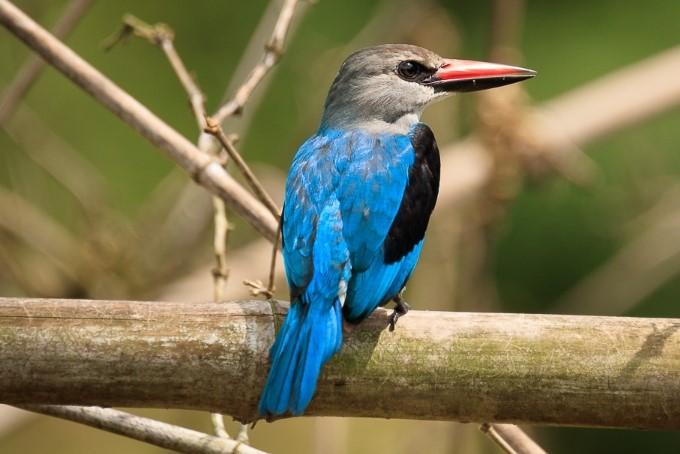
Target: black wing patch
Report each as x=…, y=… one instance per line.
x=420, y=196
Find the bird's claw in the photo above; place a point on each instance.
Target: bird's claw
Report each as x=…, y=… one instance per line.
x=401, y=308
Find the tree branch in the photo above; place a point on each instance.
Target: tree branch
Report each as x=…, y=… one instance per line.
x=213, y=128
x=534, y=369
x=163, y=36
x=147, y=430
x=511, y=439
x=205, y=169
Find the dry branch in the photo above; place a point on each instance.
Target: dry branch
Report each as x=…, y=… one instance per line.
x=162, y=36
x=205, y=169
x=534, y=369
x=213, y=128
x=511, y=439
x=147, y=430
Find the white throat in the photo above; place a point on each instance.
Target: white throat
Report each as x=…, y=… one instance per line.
x=402, y=126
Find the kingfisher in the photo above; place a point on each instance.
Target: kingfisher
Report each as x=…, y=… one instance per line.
x=358, y=200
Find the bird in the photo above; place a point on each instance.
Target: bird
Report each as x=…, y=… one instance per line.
x=358, y=200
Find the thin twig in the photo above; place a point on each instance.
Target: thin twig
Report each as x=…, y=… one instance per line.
x=214, y=128
x=500, y=441
x=257, y=288
x=221, y=271
x=242, y=435
x=150, y=431
x=189, y=198
x=163, y=36
x=273, y=51
x=511, y=439
x=245, y=262
x=220, y=275
x=218, y=425
x=31, y=69
x=275, y=253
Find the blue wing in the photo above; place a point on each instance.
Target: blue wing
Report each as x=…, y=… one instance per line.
x=378, y=181
x=311, y=185
x=318, y=271
x=366, y=173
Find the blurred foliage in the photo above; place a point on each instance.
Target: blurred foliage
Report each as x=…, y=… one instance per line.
x=554, y=234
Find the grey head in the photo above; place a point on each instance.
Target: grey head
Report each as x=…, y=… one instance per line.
x=388, y=86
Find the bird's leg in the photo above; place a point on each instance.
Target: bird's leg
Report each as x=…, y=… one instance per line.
x=400, y=309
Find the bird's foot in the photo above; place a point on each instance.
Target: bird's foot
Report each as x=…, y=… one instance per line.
x=400, y=309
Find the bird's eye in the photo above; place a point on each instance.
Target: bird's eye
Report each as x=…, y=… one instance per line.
x=410, y=70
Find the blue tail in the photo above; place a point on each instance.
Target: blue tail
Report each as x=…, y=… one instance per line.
x=310, y=335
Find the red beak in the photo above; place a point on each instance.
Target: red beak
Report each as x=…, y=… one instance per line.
x=466, y=75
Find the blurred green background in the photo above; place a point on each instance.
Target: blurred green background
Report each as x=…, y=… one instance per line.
x=544, y=252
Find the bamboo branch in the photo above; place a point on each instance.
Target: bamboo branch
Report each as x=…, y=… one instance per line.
x=150, y=431
x=534, y=369
x=206, y=170
x=30, y=71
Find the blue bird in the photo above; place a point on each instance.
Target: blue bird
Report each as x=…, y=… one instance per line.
x=358, y=199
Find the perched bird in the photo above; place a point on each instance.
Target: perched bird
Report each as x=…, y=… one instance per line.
x=358, y=199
